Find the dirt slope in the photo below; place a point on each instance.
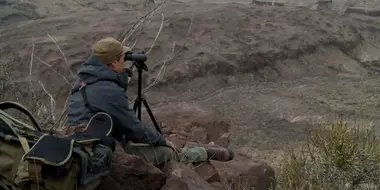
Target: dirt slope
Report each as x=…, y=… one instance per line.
x=271, y=71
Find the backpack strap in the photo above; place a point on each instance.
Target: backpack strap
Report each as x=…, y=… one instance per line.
x=8, y=105
x=82, y=89
x=23, y=140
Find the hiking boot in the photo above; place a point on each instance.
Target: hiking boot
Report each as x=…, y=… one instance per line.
x=214, y=152
x=219, y=153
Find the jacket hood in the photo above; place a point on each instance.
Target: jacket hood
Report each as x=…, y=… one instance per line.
x=94, y=70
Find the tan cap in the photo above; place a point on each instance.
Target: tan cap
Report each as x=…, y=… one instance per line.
x=109, y=49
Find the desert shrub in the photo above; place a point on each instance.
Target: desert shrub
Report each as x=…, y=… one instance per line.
x=339, y=156
x=26, y=92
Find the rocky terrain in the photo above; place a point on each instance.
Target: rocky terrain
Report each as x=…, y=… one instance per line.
x=270, y=72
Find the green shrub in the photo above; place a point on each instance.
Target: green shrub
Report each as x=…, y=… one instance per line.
x=338, y=156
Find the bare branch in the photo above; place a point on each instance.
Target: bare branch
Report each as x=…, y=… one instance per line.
x=159, y=76
x=125, y=36
x=64, y=56
x=52, y=101
x=133, y=45
x=30, y=71
x=31, y=61
x=171, y=57
x=137, y=36
x=158, y=33
x=64, y=78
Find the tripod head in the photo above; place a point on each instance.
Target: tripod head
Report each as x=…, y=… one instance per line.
x=140, y=65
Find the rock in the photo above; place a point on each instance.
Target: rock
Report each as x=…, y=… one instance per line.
x=363, y=11
x=314, y=7
x=177, y=140
x=205, y=125
x=184, y=133
x=216, y=128
x=207, y=171
x=245, y=172
x=131, y=172
x=166, y=131
x=224, y=140
x=174, y=182
x=183, y=177
x=272, y=3
x=199, y=134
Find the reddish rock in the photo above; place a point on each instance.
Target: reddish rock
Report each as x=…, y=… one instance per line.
x=177, y=140
x=183, y=177
x=214, y=126
x=131, y=172
x=207, y=171
x=184, y=134
x=207, y=126
x=167, y=131
x=245, y=172
x=199, y=134
x=224, y=140
x=174, y=182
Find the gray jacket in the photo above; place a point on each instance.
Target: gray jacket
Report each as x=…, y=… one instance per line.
x=105, y=92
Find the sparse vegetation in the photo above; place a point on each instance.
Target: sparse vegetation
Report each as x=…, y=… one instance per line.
x=16, y=91
x=338, y=156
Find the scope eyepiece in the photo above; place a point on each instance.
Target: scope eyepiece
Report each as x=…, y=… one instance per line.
x=135, y=56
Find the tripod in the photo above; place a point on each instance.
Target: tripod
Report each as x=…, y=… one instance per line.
x=140, y=65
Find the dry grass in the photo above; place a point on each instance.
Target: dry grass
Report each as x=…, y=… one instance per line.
x=338, y=156
x=14, y=90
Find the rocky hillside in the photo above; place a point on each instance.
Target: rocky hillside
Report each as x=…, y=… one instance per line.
x=270, y=71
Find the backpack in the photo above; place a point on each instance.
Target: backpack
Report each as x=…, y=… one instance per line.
x=32, y=159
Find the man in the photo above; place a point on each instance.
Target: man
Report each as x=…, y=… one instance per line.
x=100, y=87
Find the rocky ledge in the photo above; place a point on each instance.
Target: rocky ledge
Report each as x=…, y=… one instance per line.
x=189, y=127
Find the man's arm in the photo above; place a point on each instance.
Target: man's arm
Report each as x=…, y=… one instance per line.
x=116, y=104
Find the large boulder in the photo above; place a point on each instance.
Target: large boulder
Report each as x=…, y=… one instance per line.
x=207, y=171
x=181, y=176
x=131, y=172
x=245, y=172
x=192, y=124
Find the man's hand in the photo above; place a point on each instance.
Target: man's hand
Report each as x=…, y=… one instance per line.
x=173, y=146
x=128, y=72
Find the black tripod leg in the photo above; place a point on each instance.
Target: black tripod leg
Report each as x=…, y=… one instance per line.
x=135, y=105
x=151, y=115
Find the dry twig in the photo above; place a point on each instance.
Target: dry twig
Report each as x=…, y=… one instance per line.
x=64, y=56
x=127, y=34
x=52, y=101
x=47, y=64
x=162, y=71
x=30, y=71
x=171, y=57
x=158, y=33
